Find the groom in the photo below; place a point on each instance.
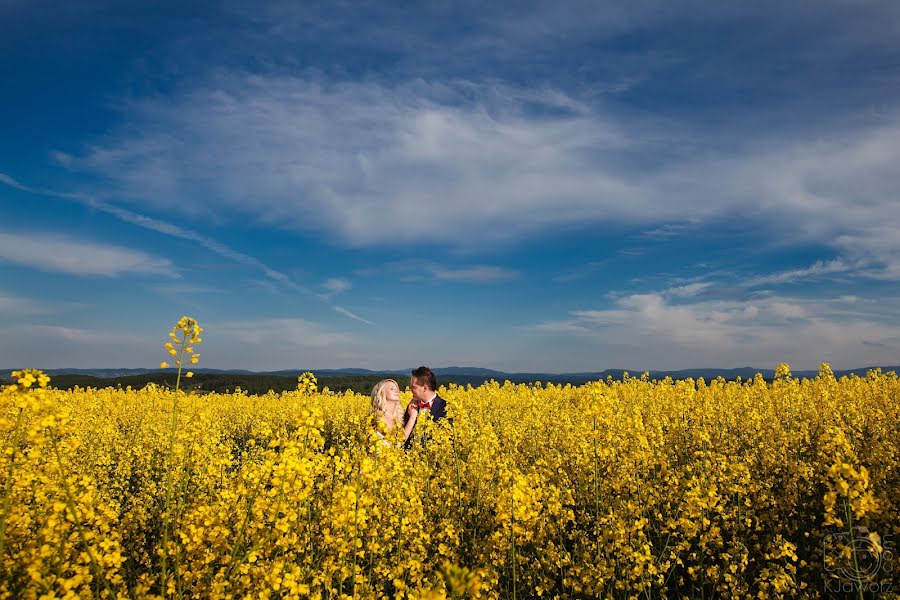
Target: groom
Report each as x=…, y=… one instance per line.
x=423, y=384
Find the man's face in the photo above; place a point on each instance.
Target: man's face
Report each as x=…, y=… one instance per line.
x=420, y=392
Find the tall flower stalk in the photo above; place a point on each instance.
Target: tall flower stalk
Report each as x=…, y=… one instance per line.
x=24, y=380
x=183, y=336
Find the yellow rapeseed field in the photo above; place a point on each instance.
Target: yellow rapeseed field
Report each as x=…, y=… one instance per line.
x=631, y=488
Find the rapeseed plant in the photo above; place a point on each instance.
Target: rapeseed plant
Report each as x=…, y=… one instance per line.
x=185, y=333
x=610, y=489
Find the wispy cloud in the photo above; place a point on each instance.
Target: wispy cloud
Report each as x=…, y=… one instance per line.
x=651, y=329
x=152, y=224
x=260, y=344
x=12, y=183
x=62, y=254
x=490, y=36
x=351, y=160
x=691, y=289
x=281, y=333
x=416, y=270
x=170, y=229
x=668, y=230
x=336, y=285
x=14, y=306
x=818, y=269
x=76, y=334
x=580, y=272
x=55, y=344
x=352, y=315
x=184, y=290
x=475, y=274
x=354, y=159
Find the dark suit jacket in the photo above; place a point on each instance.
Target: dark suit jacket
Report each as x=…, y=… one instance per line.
x=438, y=412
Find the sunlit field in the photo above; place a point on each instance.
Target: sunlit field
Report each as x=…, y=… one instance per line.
x=631, y=488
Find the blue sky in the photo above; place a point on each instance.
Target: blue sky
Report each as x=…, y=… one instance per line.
x=527, y=186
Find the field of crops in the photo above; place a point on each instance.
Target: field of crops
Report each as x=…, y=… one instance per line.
x=628, y=488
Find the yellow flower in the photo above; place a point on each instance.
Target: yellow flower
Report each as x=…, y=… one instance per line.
x=163, y=365
x=614, y=488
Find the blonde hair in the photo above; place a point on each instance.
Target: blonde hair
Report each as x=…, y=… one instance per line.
x=379, y=403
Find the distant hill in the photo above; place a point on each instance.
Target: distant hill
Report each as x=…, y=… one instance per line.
x=362, y=380
x=223, y=383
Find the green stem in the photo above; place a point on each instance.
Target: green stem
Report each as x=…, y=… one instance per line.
x=512, y=535
x=163, y=589
x=596, y=486
x=859, y=587
x=355, y=530
x=7, y=492
x=70, y=503
x=239, y=540
x=180, y=361
x=459, y=500
x=179, y=509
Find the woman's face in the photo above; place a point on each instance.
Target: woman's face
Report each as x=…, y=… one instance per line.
x=391, y=392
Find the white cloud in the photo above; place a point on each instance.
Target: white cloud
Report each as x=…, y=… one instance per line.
x=170, y=229
x=475, y=274
x=691, y=289
x=648, y=330
x=356, y=159
x=352, y=315
x=668, y=230
x=184, y=290
x=416, y=270
x=11, y=305
x=79, y=335
x=281, y=333
x=463, y=164
x=840, y=191
x=337, y=285
x=6, y=179
x=157, y=225
x=581, y=272
x=46, y=346
x=49, y=252
x=817, y=269
x=488, y=32
x=263, y=344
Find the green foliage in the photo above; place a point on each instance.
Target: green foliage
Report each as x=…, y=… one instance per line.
x=219, y=382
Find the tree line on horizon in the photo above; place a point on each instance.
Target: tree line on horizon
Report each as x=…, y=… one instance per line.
x=224, y=383
x=261, y=383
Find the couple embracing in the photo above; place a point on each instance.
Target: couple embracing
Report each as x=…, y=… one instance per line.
x=388, y=415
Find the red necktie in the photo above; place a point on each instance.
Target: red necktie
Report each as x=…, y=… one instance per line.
x=424, y=405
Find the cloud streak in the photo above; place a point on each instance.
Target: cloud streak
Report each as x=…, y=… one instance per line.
x=352, y=315
x=653, y=329
x=78, y=335
x=170, y=229
x=61, y=254
x=478, y=164
x=354, y=159
x=818, y=269
x=282, y=333
x=156, y=225
x=15, y=306
x=475, y=274
x=336, y=285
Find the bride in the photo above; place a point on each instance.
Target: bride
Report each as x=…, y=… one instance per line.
x=387, y=413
